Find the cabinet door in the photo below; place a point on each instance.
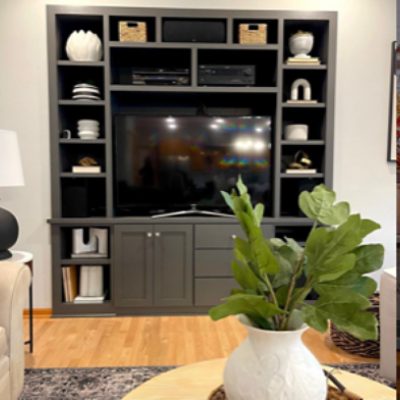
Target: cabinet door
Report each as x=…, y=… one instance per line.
x=133, y=270
x=173, y=267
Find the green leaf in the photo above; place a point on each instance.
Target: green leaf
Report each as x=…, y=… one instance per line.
x=281, y=295
x=332, y=270
x=228, y=199
x=314, y=318
x=254, y=307
x=294, y=246
x=341, y=296
x=242, y=188
x=296, y=320
x=368, y=226
x=259, y=213
x=244, y=276
x=287, y=260
x=369, y=258
x=351, y=280
x=319, y=206
x=349, y=318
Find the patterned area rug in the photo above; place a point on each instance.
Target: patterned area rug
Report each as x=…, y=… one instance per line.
x=114, y=383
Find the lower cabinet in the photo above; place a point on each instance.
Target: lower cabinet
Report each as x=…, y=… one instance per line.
x=167, y=267
x=153, y=265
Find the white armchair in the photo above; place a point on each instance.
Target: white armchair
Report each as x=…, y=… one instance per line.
x=14, y=283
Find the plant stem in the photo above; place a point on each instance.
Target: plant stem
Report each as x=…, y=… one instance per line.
x=276, y=318
x=292, y=286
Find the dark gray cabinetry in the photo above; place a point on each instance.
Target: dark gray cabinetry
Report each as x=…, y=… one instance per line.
x=154, y=265
x=173, y=265
x=186, y=268
x=213, y=257
x=133, y=273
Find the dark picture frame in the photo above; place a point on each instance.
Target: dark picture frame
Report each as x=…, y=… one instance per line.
x=392, y=134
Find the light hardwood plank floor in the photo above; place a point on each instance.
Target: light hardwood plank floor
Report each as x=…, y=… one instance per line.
x=165, y=340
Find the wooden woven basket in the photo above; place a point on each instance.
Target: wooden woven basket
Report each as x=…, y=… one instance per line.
x=347, y=342
x=333, y=394
x=253, y=33
x=132, y=31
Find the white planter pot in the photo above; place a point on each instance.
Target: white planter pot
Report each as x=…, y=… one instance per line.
x=274, y=365
x=301, y=43
x=83, y=46
x=296, y=132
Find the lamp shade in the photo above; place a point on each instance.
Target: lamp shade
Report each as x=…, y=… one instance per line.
x=11, y=173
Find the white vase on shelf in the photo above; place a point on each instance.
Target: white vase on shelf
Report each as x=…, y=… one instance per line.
x=84, y=46
x=301, y=43
x=273, y=365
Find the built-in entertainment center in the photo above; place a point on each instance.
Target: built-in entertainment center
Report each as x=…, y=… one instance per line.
x=173, y=105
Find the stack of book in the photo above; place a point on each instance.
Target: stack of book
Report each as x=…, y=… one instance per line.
x=301, y=171
x=91, y=287
x=70, y=282
x=83, y=285
x=303, y=61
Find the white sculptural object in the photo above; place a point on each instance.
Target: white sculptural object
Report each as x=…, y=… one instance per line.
x=301, y=43
x=84, y=46
x=294, y=94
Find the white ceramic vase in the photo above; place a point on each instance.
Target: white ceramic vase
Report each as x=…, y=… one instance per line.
x=296, y=132
x=84, y=46
x=301, y=43
x=273, y=365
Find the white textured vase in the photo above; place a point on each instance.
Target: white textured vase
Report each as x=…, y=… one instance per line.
x=301, y=43
x=84, y=46
x=271, y=365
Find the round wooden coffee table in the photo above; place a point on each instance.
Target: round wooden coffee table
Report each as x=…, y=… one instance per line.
x=197, y=381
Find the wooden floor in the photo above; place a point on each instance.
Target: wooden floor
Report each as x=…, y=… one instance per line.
x=130, y=341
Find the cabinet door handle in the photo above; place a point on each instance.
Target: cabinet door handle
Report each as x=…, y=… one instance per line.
x=149, y=234
x=234, y=236
x=158, y=234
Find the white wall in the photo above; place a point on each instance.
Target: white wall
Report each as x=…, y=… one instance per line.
x=361, y=174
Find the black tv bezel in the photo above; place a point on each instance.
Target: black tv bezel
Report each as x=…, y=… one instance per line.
x=198, y=112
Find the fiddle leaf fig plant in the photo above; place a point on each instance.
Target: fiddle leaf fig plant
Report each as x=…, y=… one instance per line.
x=275, y=276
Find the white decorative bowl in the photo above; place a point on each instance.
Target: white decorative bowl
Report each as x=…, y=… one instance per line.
x=301, y=43
x=296, y=132
x=88, y=135
x=84, y=46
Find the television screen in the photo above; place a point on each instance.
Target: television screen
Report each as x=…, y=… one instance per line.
x=167, y=164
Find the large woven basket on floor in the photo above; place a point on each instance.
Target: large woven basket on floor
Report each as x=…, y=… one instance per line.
x=347, y=342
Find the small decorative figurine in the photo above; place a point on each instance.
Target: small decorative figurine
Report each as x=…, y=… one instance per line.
x=294, y=92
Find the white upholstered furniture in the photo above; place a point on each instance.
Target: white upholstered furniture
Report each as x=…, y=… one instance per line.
x=14, y=284
x=388, y=320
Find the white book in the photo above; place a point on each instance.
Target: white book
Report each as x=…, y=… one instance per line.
x=301, y=171
x=95, y=281
x=78, y=169
x=89, y=300
x=89, y=255
x=84, y=281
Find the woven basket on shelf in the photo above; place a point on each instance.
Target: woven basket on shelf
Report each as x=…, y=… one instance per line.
x=333, y=394
x=132, y=31
x=253, y=33
x=347, y=342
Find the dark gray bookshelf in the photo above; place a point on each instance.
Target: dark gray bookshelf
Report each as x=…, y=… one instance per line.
x=195, y=255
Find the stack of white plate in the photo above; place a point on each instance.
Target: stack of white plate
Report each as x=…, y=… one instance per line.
x=88, y=129
x=85, y=91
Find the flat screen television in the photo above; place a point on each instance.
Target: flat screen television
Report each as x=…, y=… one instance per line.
x=167, y=164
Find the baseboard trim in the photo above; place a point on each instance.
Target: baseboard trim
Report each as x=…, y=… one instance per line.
x=39, y=313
